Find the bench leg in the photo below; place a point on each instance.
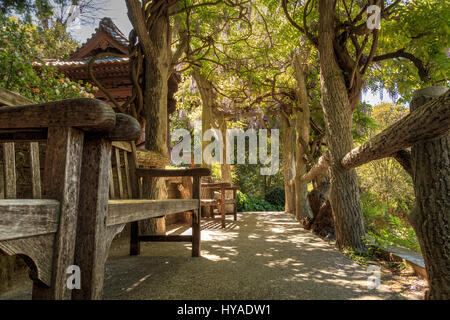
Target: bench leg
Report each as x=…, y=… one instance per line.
x=196, y=233
x=222, y=211
x=235, y=212
x=91, y=248
x=135, y=246
x=62, y=182
x=196, y=218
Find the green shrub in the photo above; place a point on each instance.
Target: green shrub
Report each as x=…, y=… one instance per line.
x=246, y=203
x=275, y=196
x=20, y=51
x=388, y=226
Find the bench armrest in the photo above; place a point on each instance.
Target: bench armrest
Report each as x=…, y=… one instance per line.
x=194, y=172
x=86, y=114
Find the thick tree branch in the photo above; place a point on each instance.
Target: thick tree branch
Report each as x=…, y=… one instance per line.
x=311, y=37
x=195, y=6
x=423, y=71
x=429, y=121
x=404, y=158
x=136, y=15
x=320, y=167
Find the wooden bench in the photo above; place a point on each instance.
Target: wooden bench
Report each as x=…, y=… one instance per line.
x=43, y=230
x=77, y=222
x=102, y=218
x=222, y=201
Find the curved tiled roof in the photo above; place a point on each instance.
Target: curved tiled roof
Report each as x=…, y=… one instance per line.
x=83, y=62
x=106, y=26
x=110, y=28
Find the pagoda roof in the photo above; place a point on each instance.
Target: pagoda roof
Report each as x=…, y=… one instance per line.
x=107, y=37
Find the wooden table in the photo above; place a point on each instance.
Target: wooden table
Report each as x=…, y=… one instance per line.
x=220, y=203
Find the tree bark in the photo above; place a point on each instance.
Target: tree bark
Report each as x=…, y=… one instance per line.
x=322, y=222
x=156, y=44
x=344, y=196
x=207, y=95
x=302, y=123
x=431, y=215
x=428, y=121
x=225, y=168
x=288, y=163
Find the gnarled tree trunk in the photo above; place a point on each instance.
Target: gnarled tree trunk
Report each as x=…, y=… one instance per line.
x=207, y=95
x=288, y=162
x=225, y=168
x=302, y=123
x=156, y=45
x=344, y=195
x=431, y=215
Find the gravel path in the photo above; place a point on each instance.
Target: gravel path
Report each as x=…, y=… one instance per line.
x=261, y=256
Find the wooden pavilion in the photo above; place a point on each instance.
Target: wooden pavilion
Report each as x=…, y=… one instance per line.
x=112, y=72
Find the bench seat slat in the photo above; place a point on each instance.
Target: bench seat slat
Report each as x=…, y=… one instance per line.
x=124, y=211
x=193, y=172
x=27, y=218
x=164, y=238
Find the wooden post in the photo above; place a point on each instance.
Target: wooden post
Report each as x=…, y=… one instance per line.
x=235, y=204
x=7, y=263
x=111, y=183
x=35, y=170
x=9, y=165
x=91, y=243
x=222, y=204
x=119, y=173
x=62, y=183
x=196, y=218
x=135, y=247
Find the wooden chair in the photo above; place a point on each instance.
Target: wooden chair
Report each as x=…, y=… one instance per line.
x=101, y=218
x=43, y=230
x=220, y=203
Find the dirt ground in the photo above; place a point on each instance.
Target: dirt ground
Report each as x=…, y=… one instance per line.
x=265, y=255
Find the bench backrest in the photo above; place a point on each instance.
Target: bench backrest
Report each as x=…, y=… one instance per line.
x=44, y=231
x=123, y=182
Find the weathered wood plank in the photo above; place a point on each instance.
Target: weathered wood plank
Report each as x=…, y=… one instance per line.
x=39, y=260
x=112, y=193
x=9, y=98
x=162, y=238
x=127, y=128
x=195, y=172
x=127, y=175
x=91, y=244
x=196, y=217
x=24, y=135
x=123, y=211
x=2, y=182
x=9, y=167
x=35, y=170
x=122, y=145
x=86, y=114
x=135, y=194
x=119, y=172
x=26, y=218
x=62, y=183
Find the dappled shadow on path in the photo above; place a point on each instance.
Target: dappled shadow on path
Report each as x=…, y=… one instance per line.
x=263, y=255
